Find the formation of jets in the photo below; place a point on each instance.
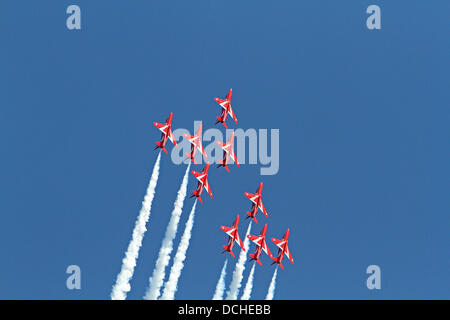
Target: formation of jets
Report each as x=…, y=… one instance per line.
x=196, y=145
x=260, y=242
x=202, y=184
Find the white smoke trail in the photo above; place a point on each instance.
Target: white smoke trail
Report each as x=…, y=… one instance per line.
x=220, y=287
x=157, y=278
x=249, y=285
x=235, y=285
x=122, y=285
x=271, y=290
x=178, y=262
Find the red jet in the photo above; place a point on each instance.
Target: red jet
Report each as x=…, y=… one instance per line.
x=233, y=235
x=261, y=245
x=227, y=152
x=166, y=133
x=282, y=250
x=196, y=144
x=202, y=183
x=226, y=109
x=257, y=203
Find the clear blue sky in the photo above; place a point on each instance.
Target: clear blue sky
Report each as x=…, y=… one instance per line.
x=364, y=127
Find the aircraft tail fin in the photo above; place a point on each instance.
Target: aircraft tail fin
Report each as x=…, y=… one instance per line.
x=189, y=156
x=196, y=193
x=252, y=255
x=223, y=164
x=222, y=121
x=159, y=145
x=275, y=260
x=250, y=216
x=229, y=251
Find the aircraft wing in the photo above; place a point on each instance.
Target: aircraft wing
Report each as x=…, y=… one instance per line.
x=266, y=248
x=189, y=137
x=221, y=102
x=231, y=113
x=204, y=152
x=196, y=174
x=221, y=144
x=206, y=186
x=172, y=138
x=255, y=239
x=239, y=241
x=278, y=243
x=162, y=127
x=288, y=254
x=233, y=156
x=263, y=209
x=229, y=231
x=252, y=197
